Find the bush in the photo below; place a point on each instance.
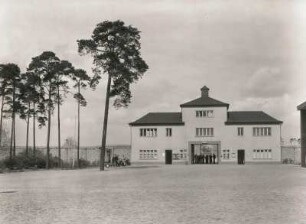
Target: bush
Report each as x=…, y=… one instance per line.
x=14, y=163
x=84, y=163
x=24, y=161
x=288, y=161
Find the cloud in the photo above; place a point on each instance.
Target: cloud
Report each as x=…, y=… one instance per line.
x=251, y=54
x=267, y=82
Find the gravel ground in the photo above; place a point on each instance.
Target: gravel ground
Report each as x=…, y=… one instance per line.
x=252, y=193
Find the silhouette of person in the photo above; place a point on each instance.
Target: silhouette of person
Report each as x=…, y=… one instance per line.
x=206, y=159
x=210, y=159
x=214, y=157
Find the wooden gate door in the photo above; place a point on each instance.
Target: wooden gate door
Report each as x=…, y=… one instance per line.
x=168, y=156
x=241, y=156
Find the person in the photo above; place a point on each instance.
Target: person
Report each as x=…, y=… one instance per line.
x=214, y=157
x=210, y=159
x=206, y=159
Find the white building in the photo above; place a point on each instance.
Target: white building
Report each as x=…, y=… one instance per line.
x=206, y=132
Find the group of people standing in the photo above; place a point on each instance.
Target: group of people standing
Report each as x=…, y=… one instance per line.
x=204, y=159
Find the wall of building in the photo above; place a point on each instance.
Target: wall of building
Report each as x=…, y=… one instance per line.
x=161, y=142
x=248, y=142
x=226, y=136
x=192, y=122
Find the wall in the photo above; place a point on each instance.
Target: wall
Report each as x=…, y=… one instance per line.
x=69, y=155
x=291, y=154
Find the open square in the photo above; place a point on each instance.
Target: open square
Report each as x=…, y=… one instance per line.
x=251, y=193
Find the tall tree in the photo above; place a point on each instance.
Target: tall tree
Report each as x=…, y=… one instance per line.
x=3, y=93
x=29, y=96
x=46, y=66
x=51, y=72
x=115, y=49
x=64, y=69
x=81, y=80
x=10, y=73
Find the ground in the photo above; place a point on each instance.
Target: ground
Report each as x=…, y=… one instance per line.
x=251, y=193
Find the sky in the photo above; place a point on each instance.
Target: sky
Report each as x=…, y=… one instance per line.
x=250, y=53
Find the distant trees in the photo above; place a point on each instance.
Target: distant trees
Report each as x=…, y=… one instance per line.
x=115, y=49
x=10, y=80
x=53, y=74
x=36, y=93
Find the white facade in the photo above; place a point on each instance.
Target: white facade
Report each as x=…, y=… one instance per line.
x=206, y=132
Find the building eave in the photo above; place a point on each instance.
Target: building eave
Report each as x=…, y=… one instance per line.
x=302, y=106
x=253, y=123
x=198, y=106
x=157, y=124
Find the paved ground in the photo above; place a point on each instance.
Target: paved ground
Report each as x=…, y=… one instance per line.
x=167, y=194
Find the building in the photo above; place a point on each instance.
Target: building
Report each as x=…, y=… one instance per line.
x=302, y=109
x=205, y=131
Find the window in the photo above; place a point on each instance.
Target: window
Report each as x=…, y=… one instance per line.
x=204, y=113
x=148, y=132
x=240, y=131
x=148, y=154
x=204, y=132
x=181, y=155
x=262, y=154
x=226, y=154
x=265, y=131
x=168, y=132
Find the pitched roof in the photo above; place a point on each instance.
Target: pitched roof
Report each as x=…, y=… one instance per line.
x=205, y=101
x=169, y=118
x=302, y=106
x=250, y=117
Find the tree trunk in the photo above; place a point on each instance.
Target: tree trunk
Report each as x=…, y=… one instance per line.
x=12, y=153
x=14, y=135
x=59, y=128
x=34, y=134
x=28, y=125
x=11, y=142
x=1, y=119
x=102, y=155
x=49, y=129
x=78, y=150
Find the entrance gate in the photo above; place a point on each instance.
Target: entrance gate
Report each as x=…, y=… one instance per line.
x=204, y=153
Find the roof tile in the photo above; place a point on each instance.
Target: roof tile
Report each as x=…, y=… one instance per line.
x=250, y=117
x=169, y=118
x=205, y=102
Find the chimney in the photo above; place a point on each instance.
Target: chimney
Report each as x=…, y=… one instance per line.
x=204, y=91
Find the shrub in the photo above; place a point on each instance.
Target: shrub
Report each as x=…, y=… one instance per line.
x=22, y=160
x=84, y=163
x=13, y=163
x=288, y=161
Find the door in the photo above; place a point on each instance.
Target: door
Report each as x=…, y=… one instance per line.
x=241, y=156
x=168, y=156
x=192, y=154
